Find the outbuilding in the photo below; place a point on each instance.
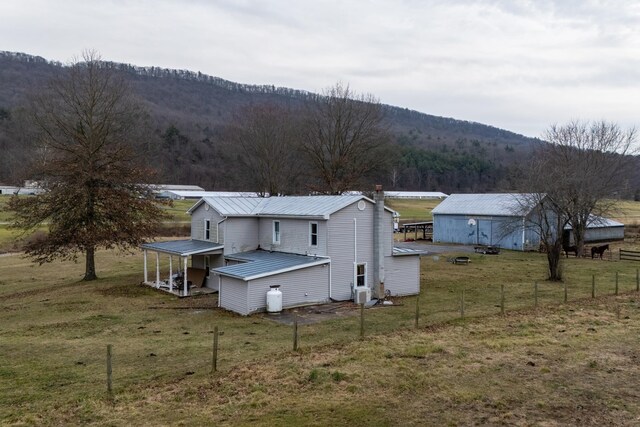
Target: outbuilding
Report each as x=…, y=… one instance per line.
x=501, y=219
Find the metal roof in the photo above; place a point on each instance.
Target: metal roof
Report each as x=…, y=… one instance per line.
x=189, y=194
x=296, y=206
x=497, y=204
x=599, y=222
x=183, y=247
x=397, y=251
x=260, y=263
x=415, y=194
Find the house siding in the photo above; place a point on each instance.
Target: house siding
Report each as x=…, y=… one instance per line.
x=299, y=287
x=197, y=224
x=403, y=275
x=294, y=236
x=233, y=295
x=215, y=261
x=241, y=235
x=340, y=232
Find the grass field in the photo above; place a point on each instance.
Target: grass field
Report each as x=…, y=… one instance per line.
x=413, y=210
x=54, y=331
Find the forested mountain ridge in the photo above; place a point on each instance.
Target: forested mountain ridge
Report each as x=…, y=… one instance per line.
x=189, y=112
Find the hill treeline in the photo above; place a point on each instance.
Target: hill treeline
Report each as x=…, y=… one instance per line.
x=190, y=116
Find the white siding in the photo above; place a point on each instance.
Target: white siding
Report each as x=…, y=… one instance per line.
x=294, y=236
x=340, y=236
x=197, y=224
x=233, y=295
x=241, y=235
x=215, y=261
x=299, y=287
x=402, y=275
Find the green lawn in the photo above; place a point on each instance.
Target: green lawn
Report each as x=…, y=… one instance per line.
x=54, y=331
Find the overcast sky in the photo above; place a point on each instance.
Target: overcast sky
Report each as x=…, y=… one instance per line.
x=517, y=65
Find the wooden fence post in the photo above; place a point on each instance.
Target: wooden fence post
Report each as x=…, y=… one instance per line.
x=502, y=300
x=214, y=356
x=616, y=283
x=295, y=332
x=417, y=310
x=109, y=372
x=361, y=321
x=462, y=305
x=535, y=294
x=593, y=286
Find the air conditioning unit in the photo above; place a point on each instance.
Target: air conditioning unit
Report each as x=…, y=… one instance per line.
x=362, y=295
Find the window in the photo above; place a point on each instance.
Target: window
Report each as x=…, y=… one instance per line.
x=313, y=234
x=207, y=229
x=361, y=275
x=276, y=232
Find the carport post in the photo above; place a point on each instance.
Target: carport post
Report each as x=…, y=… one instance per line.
x=157, y=269
x=186, y=286
x=170, y=273
x=146, y=274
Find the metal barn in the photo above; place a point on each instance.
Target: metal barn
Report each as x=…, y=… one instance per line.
x=485, y=219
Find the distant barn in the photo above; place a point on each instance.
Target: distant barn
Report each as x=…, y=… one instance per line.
x=504, y=220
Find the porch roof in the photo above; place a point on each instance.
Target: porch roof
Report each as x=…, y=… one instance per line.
x=260, y=263
x=184, y=247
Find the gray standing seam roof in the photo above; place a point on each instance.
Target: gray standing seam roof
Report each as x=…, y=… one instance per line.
x=307, y=206
x=183, y=247
x=260, y=263
x=497, y=204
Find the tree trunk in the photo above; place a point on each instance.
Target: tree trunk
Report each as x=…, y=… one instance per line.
x=90, y=268
x=578, y=237
x=554, y=255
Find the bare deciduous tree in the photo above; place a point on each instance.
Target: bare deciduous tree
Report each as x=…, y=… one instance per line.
x=89, y=166
x=266, y=137
x=586, y=165
x=576, y=176
x=344, y=139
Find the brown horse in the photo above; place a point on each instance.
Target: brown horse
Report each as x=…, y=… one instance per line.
x=568, y=249
x=598, y=250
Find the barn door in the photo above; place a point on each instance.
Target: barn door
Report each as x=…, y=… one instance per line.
x=484, y=232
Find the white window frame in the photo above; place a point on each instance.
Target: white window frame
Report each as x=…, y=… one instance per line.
x=207, y=229
x=277, y=234
x=311, y=233
x=355, y=273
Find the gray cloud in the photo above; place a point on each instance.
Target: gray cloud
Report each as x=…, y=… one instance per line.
x=514, y=64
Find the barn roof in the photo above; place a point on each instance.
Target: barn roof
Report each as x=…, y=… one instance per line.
x=294, y=206
x=261, y=263
x=492, y=204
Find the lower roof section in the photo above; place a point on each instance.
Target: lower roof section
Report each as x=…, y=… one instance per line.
x=397, y=251
x=184, y=247
x=260, y=263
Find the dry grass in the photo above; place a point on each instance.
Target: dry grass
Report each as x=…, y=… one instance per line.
x=412, y=210
x=54, y=331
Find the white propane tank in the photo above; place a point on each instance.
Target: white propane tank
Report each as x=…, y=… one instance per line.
x=274, y=299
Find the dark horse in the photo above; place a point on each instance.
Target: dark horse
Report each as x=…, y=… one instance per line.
x=598, y=250
x=568, y=249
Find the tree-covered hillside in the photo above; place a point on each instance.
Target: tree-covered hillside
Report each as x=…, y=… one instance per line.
x=189, y=114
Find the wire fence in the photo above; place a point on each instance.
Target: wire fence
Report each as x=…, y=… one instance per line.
x=221, y=349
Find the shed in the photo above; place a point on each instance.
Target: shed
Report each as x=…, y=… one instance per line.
x=499, y=219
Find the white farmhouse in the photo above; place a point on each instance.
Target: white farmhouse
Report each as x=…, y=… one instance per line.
x=316, y=248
